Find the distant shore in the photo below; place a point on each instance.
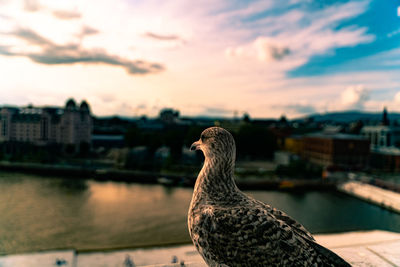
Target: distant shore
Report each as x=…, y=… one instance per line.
x=147, y=177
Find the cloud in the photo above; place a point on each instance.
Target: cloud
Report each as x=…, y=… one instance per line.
x=250, y=9
x=296, y=36
x=295, y=109
x=2, y=16
x=66, y=14
x=232, y=52
x=284, y=35
x=53, y=54
x=268, y=50
x=5, y=50
x=397, y=98
x=169, y=41
x=125, y=109
x=141, y=106
x=263, y=48
x=87, y=30
x=393, y=33
x=31, y=37
x=31, y=5
x=34, y=6
x=354, y=97
x=161, y=37
x=212, y=111
x=107, y=98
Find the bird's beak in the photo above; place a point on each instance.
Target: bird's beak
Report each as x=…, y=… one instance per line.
x=195, y=146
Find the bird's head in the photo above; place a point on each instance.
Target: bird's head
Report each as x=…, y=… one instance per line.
x=216, y=142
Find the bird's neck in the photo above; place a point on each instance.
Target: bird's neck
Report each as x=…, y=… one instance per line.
x=215, y=180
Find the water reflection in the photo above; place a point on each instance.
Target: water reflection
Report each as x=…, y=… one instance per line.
x=73, y=185
x=168, y=190
x=48, y=213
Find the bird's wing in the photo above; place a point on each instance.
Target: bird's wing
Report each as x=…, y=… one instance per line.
x=328, y=254
x=251, y=235
x=296, y=226
x=301, y=231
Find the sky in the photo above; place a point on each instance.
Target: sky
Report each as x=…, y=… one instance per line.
x=204, y=58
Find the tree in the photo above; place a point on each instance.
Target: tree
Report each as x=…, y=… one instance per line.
x=169, y=115
x=133, y=137
x=255, y=141
x=193, y=134
x=174, y=139
x=283, y=120
x=84, y=149
x=246, y=118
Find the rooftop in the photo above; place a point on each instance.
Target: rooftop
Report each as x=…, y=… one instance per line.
x=340, y=136
x=386, y=150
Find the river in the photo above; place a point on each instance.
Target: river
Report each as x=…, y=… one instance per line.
x=44, y=213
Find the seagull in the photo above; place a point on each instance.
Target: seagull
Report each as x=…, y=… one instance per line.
x=229, y=228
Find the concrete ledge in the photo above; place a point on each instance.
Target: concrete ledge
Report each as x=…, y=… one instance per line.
x=184, y=264
x=352, y=239
x=65, y=258
x=370, y=248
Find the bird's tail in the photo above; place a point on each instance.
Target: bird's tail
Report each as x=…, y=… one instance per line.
x=332, y=257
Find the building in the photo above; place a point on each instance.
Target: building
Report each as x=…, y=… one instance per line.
x=71, y=125
x=382, y=135
x=340, y=150
x=386, y=159
x=294, y=144
x=385, y=144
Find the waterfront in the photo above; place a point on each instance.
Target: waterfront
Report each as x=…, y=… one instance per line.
x=51, y=213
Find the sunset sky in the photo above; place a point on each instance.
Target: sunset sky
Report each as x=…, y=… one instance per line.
x=266, y=58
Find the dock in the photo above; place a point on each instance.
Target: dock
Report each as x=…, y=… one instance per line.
x=373, y=194
x=370, y=248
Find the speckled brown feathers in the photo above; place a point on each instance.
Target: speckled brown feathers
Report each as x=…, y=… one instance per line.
x=230, y=228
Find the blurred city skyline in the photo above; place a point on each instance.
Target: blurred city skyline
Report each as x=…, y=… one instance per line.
x=266, y=58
